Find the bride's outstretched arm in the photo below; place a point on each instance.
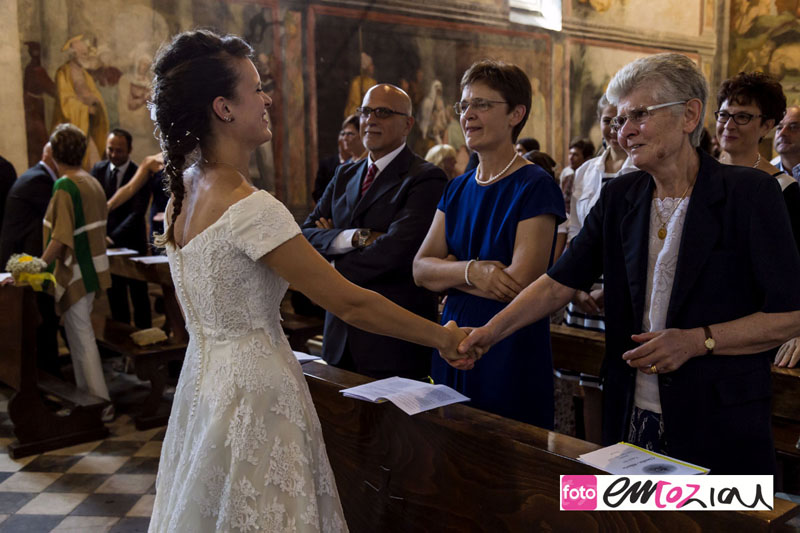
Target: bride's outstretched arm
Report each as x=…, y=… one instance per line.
x=306, y=270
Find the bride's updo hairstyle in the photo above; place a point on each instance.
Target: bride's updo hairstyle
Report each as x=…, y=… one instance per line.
x=190, y=72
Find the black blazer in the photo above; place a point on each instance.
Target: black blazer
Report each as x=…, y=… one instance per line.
x=126, y=223
x=401, y=202
x=26, y=206
x=737, y=256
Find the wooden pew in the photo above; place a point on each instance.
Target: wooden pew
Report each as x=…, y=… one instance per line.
x=151, y=362
x=461, y=469
x=583, y=351
x=38, y=428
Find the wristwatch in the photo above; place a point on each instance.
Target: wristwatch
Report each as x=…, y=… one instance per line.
x=709, y=343
x=363, y=237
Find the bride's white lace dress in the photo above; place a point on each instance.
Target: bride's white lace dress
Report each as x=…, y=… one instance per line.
x=243, y=449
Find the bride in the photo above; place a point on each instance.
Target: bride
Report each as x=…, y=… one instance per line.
x=244, y=449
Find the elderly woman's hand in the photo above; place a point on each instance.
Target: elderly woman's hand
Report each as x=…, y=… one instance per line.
x=788, y=354
x=491, y=277
x=665, y=350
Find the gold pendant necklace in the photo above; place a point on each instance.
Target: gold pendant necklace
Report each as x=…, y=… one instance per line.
x=662, y=230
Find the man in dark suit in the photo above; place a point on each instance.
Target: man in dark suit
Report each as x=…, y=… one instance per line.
x=7, y=177
x=26, y=206
x=126, y=227
x=370, y=222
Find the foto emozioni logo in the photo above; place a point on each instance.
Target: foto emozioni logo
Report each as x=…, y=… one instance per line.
x=578, y=493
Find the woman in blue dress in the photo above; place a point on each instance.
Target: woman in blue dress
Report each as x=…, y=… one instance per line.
x=492, y=235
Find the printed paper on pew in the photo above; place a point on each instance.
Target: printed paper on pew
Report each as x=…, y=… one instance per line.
x=151, y=259
x=121, y=251
x=630, y=460
x=305, y=357
x=409, y=395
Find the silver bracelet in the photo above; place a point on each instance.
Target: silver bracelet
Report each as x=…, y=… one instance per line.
x=466, y=272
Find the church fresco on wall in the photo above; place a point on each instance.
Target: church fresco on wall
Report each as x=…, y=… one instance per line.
x=644, y=16
x=427, y=61
x=89, y=63
x=765, y=36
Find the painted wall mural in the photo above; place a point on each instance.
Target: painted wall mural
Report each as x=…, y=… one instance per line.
x=682, y=18
x=765, y=35
x=89, y=63
x=427, y=60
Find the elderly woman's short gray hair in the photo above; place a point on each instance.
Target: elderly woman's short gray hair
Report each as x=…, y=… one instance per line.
x=673, y=77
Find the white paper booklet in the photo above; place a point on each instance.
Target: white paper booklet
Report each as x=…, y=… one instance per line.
x=151, y=259
x=409, y=395
x=627, y=459
x=121, y=251
x=303, y=357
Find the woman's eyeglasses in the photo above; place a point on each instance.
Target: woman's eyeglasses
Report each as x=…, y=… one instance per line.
x=638, y=116
x=740, y=118
x=479, y=104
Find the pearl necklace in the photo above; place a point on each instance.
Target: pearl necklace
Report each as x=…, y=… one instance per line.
x=496, y=176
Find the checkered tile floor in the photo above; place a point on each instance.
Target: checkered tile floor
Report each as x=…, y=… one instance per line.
x=102, y=486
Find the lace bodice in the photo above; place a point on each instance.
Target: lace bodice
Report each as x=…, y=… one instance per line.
x=224, y=291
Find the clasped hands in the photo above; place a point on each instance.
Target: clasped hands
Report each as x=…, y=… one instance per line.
x=465, y=346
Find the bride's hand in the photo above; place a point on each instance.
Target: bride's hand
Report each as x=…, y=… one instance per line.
x=452, y=337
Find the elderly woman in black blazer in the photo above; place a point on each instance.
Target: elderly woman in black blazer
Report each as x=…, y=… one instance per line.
x=702, y=282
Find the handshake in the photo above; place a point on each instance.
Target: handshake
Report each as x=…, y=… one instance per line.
x=462, y=347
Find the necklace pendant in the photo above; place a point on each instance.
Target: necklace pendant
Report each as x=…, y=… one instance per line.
x=662, y=233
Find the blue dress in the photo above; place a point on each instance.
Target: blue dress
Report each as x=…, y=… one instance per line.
x=515, y=378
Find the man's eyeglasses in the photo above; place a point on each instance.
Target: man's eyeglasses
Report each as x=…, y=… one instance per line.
x=638, y=116
x=379, y=112
x=740, y=118
x=480, y=104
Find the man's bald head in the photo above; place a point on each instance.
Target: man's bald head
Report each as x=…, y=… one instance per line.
x=401, y=100
x=385, y=133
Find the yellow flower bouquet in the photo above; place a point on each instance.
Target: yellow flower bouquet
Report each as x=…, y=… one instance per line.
x=28, y=270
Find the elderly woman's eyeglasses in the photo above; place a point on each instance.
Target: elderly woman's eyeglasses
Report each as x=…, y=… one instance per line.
x=638, y=116
x=480, y=104
x=380, y=112
x=740, y=118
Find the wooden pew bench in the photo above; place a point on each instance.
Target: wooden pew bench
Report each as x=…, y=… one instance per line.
x=583, y=351
x=37, y=427
x=151, y=363
x=461, y=469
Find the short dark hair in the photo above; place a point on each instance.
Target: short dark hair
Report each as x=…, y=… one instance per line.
x=69, y=144
x=353, y=120
x=584, y=145
x=507, y=79
x=529, y=144
x=756, y=88
x=123, y=133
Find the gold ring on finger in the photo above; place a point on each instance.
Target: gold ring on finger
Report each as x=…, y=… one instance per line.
x=653, y=369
